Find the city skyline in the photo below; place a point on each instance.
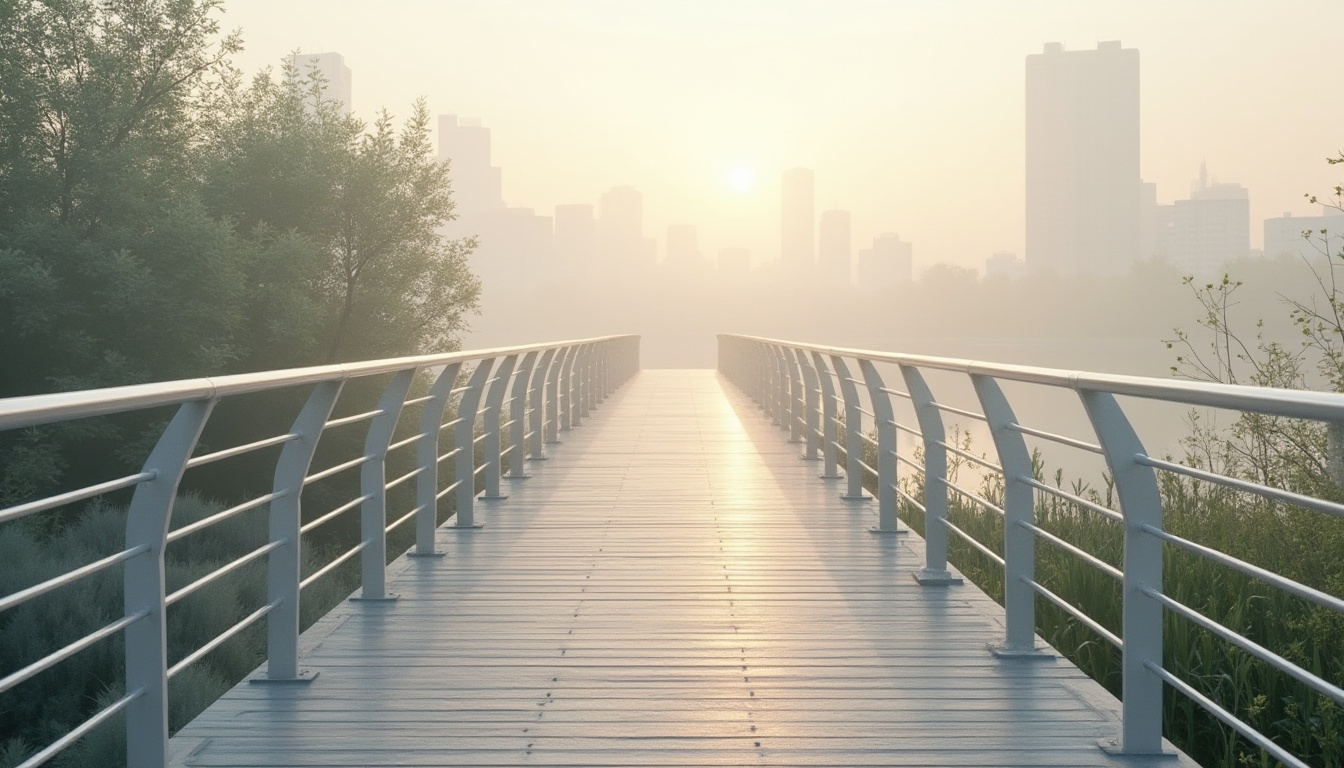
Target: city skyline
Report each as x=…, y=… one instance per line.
x=702, y=95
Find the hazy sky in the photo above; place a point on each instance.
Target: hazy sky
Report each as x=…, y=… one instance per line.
x=910, y=112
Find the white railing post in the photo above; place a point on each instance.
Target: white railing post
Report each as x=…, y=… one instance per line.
x=930, y=420
x=797, y=398
x=284, y=565
x=373, y=487
x=589, y=379
x=780, y=411
x=1019, y=508
x=518, y=416
x=575, y=393
x=465, y=438
x=1141, y=630
x=147, y=522
x=811, y=406
x=536, y=399
x=554, y=407
x=427, y=459
x=853, y=432
x=757, y=372
x=494, y=404
x=884, y=419
x=830, y=418
x=569, y=414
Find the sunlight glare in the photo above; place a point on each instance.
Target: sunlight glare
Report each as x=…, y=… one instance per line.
x=741, y=179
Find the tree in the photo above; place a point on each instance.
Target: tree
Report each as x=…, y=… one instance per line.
x=363, y=207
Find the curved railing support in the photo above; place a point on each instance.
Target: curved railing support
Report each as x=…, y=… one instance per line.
x=427, y=460
x=373, y=487
x=934, y=436
x=1019, y=515
x=1141, y=623
x=146, y=639
x=830, y=418
x=884, y=418
x=283, y=566
x=853, y=432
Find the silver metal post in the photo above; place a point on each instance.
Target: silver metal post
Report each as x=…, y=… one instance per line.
x=1141, y=503
x=147, y=522
x=283, y=565
x=372, y=486
x=780, y=412
x=465, y=439
x=518, y=416
x=853, y=432
x=811, y=406
x=930, y=420
x=494, y=404
x=536, y=398
x=830, y=418
x=554, y=407
x=797, y=399
x=569, y=417
x=427, y=460
x=885, y=421
x=1019, y=543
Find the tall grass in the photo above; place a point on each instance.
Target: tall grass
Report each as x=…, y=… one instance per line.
x=1302, y=545
x=44, y=708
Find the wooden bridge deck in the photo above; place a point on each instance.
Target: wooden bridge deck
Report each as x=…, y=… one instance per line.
x=673, y=587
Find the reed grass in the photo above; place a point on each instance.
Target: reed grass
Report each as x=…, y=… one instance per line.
x=1302, y=545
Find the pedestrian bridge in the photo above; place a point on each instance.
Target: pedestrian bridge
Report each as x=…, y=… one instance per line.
x=657, y=567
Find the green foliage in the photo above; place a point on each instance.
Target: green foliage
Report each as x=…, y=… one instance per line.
x=46, y=707
x=1299, y=544
x=160, y=219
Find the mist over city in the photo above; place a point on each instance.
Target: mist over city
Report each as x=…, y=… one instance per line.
x=671, y=382
x=714, y=166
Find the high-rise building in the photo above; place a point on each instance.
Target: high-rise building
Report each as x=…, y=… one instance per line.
x=334, y=73
x=888, y=263
x=1210, y=229
x=833, y=246
x=797, y=234
x=477, y=185
x=1284, y=235
x=1004, y=264
x=1083, y=193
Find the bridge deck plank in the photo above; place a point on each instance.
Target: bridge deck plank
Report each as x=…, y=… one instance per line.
x=672, y=587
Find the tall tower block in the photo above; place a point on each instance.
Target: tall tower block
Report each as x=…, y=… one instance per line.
x=1083, y=187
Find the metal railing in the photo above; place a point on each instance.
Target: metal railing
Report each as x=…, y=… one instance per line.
x=809, y=391
x=522, y=396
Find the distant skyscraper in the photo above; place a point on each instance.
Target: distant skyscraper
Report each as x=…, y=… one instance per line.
x=1283, y=235
x=797, y=231
x=833, y=246
x=334, y=72
x=1004, y=264
x=1083, y=195
x=477, y=185
x=1210, y=229
x=889, y=262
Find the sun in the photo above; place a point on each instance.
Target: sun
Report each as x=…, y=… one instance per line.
x=741, y=179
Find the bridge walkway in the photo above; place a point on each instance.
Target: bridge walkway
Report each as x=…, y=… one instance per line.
x=673, y=586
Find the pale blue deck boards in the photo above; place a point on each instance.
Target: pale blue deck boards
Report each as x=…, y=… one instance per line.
x=673, y=587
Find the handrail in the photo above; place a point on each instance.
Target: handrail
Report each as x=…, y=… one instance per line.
x=763, y=368
x=530, y=380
